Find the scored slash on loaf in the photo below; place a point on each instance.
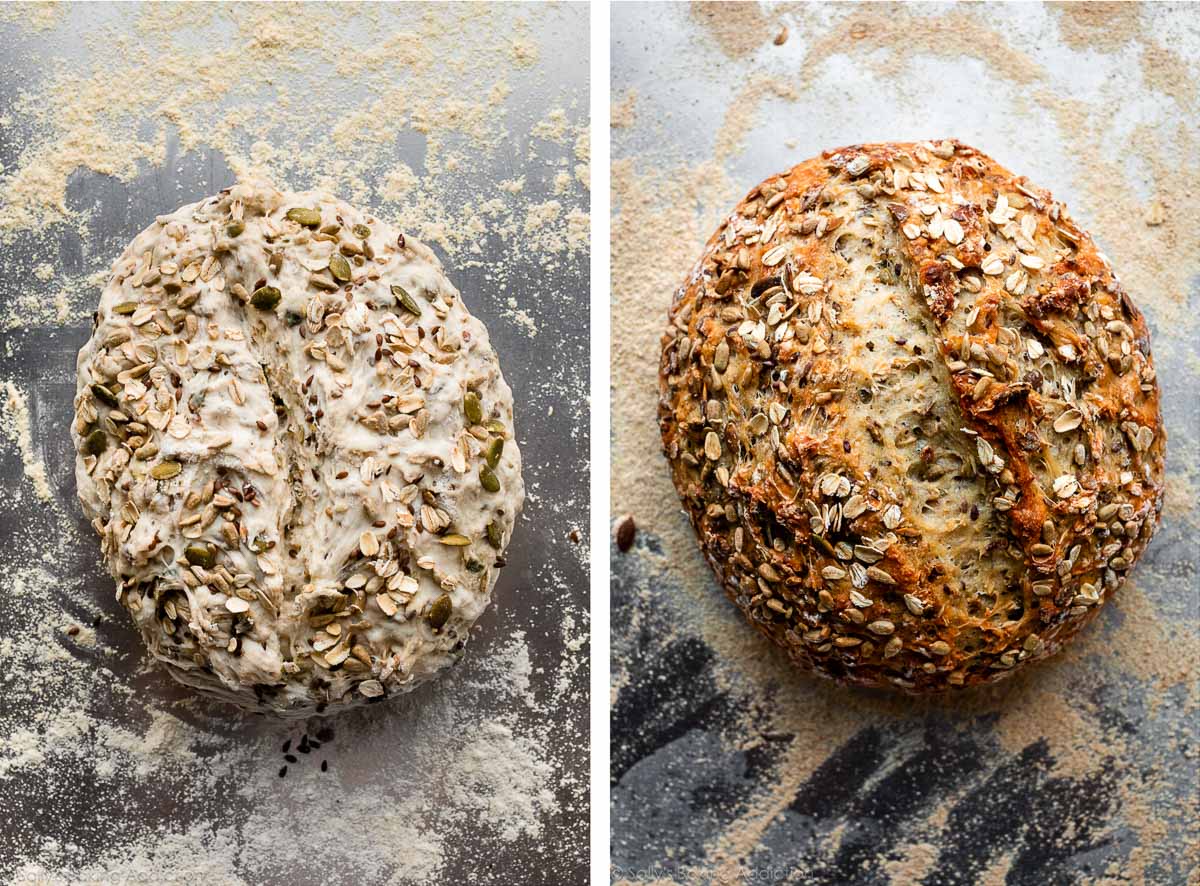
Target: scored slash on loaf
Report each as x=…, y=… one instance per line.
x=912, y=415
x=297, y=448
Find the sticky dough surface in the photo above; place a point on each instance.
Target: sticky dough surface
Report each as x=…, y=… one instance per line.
x=297, y=448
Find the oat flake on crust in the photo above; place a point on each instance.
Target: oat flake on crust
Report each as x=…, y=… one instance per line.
x=913, y=416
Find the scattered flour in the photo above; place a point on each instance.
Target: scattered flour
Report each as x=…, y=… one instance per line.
x=15, y=425
x=119, y=775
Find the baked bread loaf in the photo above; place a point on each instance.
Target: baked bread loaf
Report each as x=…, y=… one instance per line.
x=297, y=448
x=912, y=415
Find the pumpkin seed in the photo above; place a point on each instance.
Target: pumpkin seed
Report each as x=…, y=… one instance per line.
x=339, y=268
x=362, y=232
x=266, y=298
x=310, y=218
x=472, y=408
x=488, y=479
x=165, y=470
x=201, y=555
x=371, y=688
x=406, y=301
x=105, y=396
x=235, y=229
x=496, y=426
x=495, y=535
x=95, y=442
x=125, y=308
x=439, y=612
x=454, y=539
x=1068, y=421
x=494, y=451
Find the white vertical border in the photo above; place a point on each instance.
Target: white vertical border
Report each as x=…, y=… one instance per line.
x=601, y=326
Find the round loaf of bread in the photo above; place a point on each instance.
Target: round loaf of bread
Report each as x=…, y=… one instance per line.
x=297, y=448
x=912, y=415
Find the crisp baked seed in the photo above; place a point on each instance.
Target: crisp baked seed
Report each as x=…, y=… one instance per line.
x=721, y=356
x=892, y=516
x=877, y=574
x=371, y=688
x=867, y=554
x=1041, y=550
x=914, y=604
x=858, y=575
x=1068, y=421
x=860, y=601
x=883, y=627
x=833, y=573
x=712, y=446
x=1066, y=486
x=774, y=256
x=939, y=647
x=858, y=166
x=853, y=507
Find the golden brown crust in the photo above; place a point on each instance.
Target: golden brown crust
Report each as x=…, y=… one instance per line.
x=912, y=415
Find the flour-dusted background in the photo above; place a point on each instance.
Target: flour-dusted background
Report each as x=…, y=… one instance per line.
x=727, y=765
x=467, y=127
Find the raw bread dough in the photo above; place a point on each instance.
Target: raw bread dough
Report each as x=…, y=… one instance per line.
x=298, y=450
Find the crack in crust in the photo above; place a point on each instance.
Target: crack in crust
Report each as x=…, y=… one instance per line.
x=912, y=415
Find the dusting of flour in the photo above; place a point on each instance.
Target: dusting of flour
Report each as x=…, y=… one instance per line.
x=446, y=120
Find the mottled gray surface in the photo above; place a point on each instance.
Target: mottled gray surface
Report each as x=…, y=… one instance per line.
x=851, y=787
x=63, y=808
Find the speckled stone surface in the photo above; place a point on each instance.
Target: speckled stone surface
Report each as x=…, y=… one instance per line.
x=200, y=804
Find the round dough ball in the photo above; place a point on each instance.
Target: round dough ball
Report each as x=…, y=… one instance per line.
x=298, y=451
x=912, y=415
